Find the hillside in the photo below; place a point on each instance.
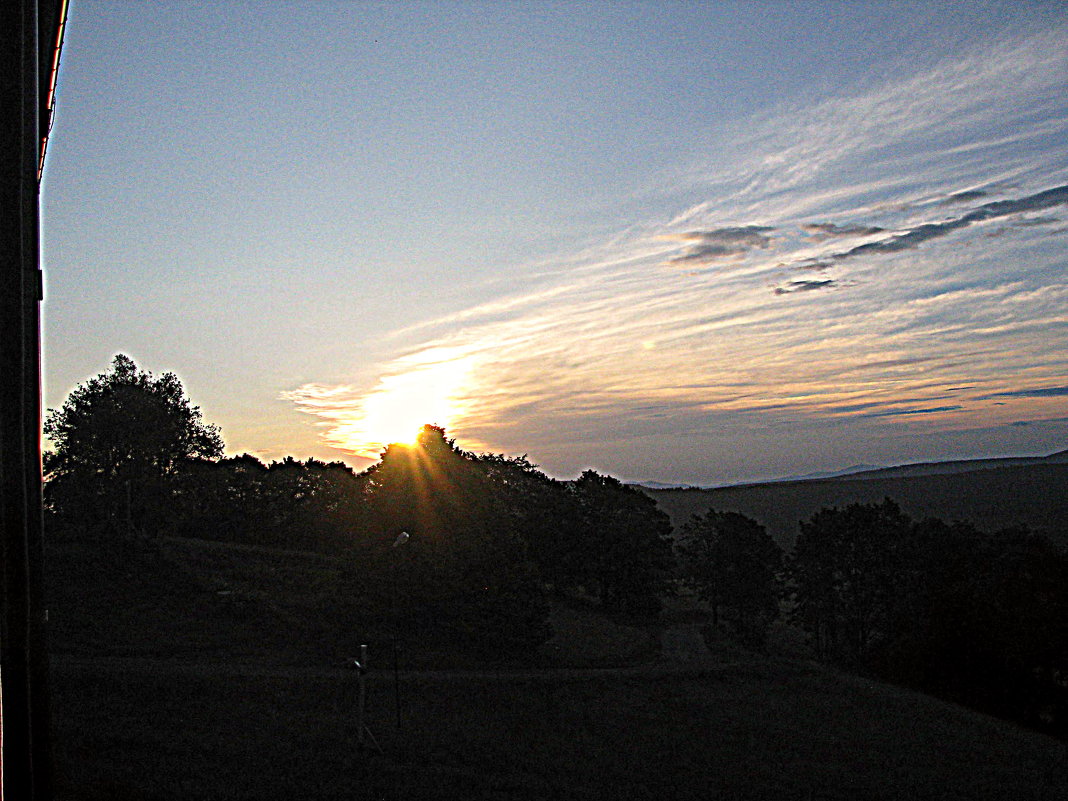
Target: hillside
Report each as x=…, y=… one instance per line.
x=194, y=601
x=196, y=670
x=755, y=730
x=955, y=466
x=991, y=497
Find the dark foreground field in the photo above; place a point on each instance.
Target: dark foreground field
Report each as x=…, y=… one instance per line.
x=201, y=672
x=135, y=729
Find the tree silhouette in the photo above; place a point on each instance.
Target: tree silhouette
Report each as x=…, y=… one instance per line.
x=847, y=573
x=221, y=499
x=467, y=571
x=119, y=440
x=621, y=544
x=733, y=564
x=542, y=511
x=983, y=619
x=310, y=505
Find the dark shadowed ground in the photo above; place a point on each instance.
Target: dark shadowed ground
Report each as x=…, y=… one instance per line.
x=168, y=687
x=745, y=731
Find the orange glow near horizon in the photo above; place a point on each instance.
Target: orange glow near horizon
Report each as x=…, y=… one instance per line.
x=431, y=392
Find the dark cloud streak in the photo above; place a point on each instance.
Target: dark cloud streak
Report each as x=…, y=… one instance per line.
x=1046, y=421
x=827, y=230
x=966, y=196
x=720, y=244
x=988, y=211
x=805, y=286
x=906, y=412
x=1040, y=392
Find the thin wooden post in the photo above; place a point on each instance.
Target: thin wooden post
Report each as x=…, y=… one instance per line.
x=363, y=732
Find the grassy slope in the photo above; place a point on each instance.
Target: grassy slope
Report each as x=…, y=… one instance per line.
x=201, y=728
x=197, y=601
x=205, y=601
x=776, y=731
x=1034, y=495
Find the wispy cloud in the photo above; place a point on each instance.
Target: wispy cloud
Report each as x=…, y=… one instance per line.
x=965, y=196
x=1040, y=392
x=1051, y=421
x=720, y=244
x=909, y=412
x=1050, y=198
x=614, y=346
x=827, y=230
x=805, y=286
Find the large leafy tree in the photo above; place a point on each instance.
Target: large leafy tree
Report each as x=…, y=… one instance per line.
x=467, y=571
x=308, y=505
x=542, y=511
x=848, y=572
x=983, y=619
x=620, y=544
x=119, y=440
x=733, y=564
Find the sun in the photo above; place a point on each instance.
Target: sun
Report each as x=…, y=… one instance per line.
x=395, y=411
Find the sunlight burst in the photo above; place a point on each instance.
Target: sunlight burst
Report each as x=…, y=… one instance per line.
x=430, y=390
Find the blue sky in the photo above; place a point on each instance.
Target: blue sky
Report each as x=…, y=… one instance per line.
x=683, y=242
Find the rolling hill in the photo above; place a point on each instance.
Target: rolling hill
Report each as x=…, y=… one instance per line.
x=199, y=670
x=990, y=493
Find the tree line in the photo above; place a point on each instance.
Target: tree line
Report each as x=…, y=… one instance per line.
x=977, y=617
x=492, y=535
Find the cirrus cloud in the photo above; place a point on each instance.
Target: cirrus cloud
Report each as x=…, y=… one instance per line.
x=611, y=352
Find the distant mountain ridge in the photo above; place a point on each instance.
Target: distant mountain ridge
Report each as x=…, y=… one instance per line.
x=956, y=466
x=990, y=493
x=806, y=476
x=869, y=471
x=846, y=471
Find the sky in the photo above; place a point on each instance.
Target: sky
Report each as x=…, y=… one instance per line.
x=680, y=242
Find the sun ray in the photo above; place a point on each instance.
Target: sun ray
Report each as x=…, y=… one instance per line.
x=427, y=389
